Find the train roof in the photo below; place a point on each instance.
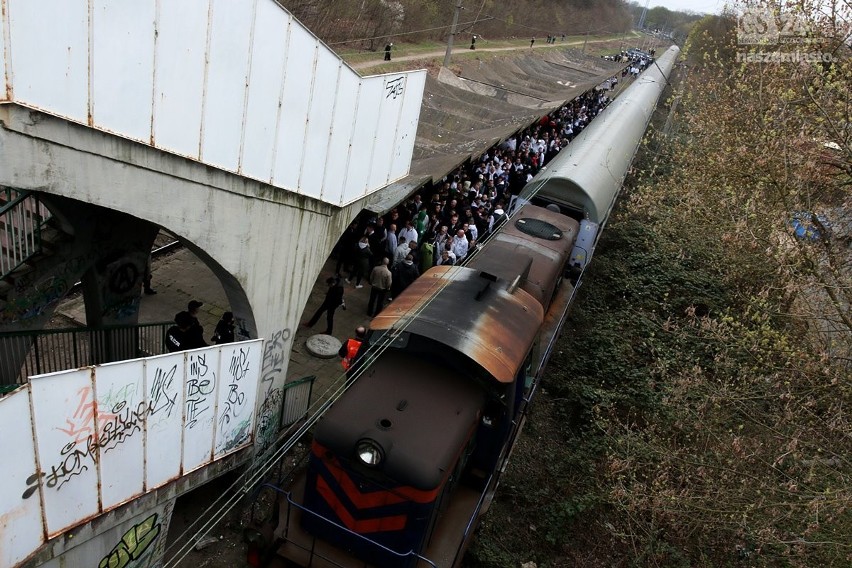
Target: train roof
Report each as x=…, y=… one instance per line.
x=431, y=408
x=534, y=236
x=496, y=330
x=588, y=173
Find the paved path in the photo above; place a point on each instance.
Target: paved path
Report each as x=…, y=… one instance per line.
x=458, y=50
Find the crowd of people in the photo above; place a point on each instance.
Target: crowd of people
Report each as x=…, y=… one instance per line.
x=443, y=223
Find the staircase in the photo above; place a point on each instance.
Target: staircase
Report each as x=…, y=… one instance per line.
x=26, y=233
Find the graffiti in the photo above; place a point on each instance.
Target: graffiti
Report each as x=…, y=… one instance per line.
x=273, y=355
x=268, y=417
x=162, y=396
x=122, y=308
x=235, y=398
x=198, y=387
x=33, y=297
x=81, y=424
x=395, y=87
x=73, y=462
x=125, y=422
x=124, y=279
x=133, y=544
x=237, y=437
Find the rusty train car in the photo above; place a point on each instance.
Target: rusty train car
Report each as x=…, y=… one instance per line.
x=405, y=463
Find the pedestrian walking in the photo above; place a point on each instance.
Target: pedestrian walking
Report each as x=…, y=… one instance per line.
x=333, y=300
x=388, y=48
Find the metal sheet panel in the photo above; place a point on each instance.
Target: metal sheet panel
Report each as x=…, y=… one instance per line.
x=123, y=66
x=227, y=76
x=328, y=69
x=179, y=81
x=239, y=373
x=406, y=131
x=269, y=57
x=65, y=424
x=4, y=51
x=202, y=373
x=121, y=415
x=164, y=395
x=360, y=161
x=299, y=81
x=20, y=500
x=393, y=95
x=342, y=130
x=51, y=67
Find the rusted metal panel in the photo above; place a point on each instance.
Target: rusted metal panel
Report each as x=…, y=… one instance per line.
x=269, y=57
x=121, y=412
x=50, y=58
x=239, y=371
x=179, y=75
x=20, y=498
x=224, y=98
x=296, y=98
x=318, y=127
x=122, y=71
x=202, y=372
x=165, y=398
x=65, y=418
x=548, y=254
x=496, y=332
x=363, y=139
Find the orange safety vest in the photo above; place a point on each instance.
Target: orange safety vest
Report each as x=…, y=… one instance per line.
x=352, y=347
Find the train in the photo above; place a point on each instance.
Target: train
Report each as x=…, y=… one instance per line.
x=405, y=463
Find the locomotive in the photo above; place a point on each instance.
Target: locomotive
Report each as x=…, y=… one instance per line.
x=404, y=464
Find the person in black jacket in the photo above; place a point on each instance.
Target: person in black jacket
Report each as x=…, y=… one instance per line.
x=333, y=300
x=224, y=332
x=177, y=336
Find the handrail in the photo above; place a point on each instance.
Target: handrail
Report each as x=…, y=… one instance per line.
x=20, y=228
x=45, y=351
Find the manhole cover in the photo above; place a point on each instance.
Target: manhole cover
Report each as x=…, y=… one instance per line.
x=323, y=346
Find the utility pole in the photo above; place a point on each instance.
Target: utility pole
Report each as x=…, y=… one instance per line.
x=452, y=34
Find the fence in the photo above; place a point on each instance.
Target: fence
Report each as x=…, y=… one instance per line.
x=23, y=354
x=21, y=218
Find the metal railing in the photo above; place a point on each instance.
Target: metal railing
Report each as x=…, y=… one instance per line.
x=27, y=353
x=21, y=218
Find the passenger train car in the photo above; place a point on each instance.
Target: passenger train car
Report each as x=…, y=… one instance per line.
x=406, y=462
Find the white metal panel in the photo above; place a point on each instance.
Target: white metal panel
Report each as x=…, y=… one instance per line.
x=164, y=395
x=179, y=81
x=321, y=111
x=122, y=414
x=4, y=55
x=269, y=56
x=393, y=96
x=20, y=501
x=299, y=78
x=406, y=131
x=50, y=55
x=65, y=425
x=202, y=369
x=367, y=118
x=123, y=66
x=239, y=376
x=227, y=77
x=342, y=130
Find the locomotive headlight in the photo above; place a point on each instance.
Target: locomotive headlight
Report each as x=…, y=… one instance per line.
x=369, y=452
